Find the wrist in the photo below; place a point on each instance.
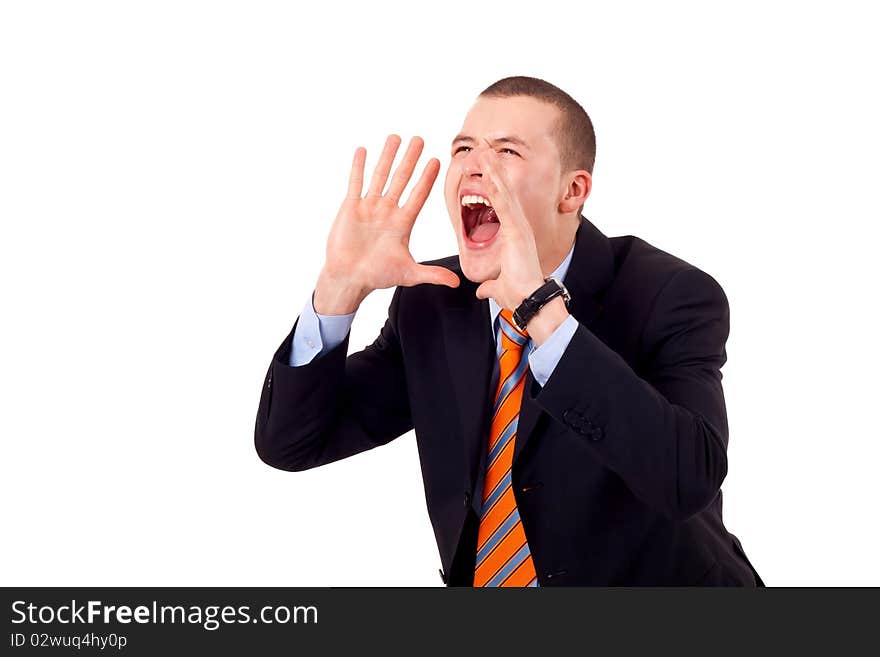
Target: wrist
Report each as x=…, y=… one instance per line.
x=549, y=317
x=337, y=295
x=543, y=309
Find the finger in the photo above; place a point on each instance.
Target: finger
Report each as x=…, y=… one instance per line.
x=506, y=209
x=419, y=274
x=422, y=188
x=496, y=186
x=490, y=161
x=356, y=177
x=386, y=159
x=405, y=169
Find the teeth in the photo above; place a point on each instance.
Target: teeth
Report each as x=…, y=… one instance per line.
x=472, y=199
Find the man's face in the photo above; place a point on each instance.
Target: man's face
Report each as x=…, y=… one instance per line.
x=519, y=129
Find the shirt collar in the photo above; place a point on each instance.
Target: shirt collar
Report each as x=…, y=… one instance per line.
x=558, y=273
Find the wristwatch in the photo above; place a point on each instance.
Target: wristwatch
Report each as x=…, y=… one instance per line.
x=551, y=289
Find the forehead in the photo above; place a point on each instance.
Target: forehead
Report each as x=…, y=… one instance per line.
x=524, y=117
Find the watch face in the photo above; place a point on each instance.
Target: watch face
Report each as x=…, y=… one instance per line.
x=565, y=294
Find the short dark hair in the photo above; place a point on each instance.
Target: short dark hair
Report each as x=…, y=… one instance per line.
x=574, y=133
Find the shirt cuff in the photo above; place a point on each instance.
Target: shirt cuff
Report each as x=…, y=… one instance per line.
x=543, y=359
x=316, y=334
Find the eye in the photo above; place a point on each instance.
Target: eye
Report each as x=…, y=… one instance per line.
x=460, y=148
x=509, y=150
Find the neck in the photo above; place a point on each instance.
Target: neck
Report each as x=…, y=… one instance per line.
x=560, y=246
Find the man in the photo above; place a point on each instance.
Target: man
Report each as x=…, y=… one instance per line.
x=580, y=440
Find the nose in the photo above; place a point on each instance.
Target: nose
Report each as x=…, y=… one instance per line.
x=471, y=166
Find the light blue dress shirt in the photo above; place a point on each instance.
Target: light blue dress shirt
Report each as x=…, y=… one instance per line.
x=316, y=334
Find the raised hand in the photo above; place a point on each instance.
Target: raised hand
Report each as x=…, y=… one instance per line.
x=368, y=245
x=520, y=273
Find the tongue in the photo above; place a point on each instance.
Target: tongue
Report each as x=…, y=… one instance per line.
x=485, y=232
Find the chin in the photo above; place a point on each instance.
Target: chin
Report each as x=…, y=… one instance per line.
x=476, y=269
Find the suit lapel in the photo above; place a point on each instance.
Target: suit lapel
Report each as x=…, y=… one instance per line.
x=470, y=350
x=470, y=347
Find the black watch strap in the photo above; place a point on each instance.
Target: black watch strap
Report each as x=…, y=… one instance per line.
x=551, y=289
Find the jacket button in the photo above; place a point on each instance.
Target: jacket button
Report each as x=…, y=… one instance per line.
x=596, y=434
x=467, y=499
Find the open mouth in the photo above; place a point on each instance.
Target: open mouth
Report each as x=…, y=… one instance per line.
x=478, y=218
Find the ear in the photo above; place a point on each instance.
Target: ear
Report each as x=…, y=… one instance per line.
x=576, y=192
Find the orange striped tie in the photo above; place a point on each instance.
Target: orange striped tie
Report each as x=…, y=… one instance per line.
x=503, y=556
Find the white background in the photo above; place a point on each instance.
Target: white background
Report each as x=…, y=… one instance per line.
x=168, y=175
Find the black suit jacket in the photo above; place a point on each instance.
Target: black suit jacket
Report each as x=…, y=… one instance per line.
x=618, y=459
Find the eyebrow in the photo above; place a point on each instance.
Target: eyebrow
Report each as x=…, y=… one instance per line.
x=499, y=140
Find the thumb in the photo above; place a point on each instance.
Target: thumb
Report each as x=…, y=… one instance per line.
x=430, y=274
x=486, y=289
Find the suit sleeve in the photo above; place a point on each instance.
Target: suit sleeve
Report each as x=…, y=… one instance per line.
x=334, y=406
x=665, y=432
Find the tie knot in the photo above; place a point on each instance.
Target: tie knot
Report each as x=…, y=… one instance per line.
x=510, y=331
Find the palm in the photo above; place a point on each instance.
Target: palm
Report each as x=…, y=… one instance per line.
x=369, y=240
